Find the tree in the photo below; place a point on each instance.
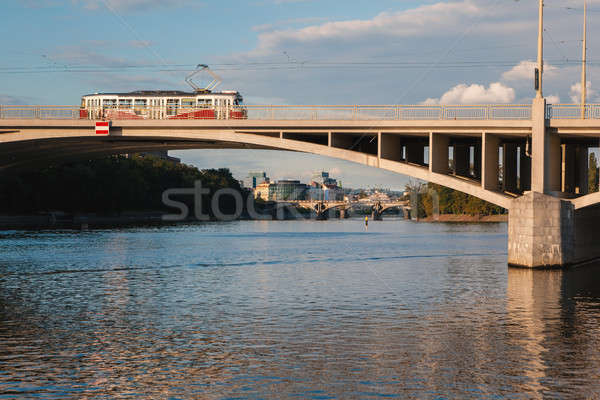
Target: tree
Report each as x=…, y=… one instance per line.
x=593, y=173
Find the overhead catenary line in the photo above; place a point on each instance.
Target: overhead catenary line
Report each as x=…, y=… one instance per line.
x=281, y=66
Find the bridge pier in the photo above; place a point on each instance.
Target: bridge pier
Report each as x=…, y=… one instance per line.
x=547, y=232
x=343, y=213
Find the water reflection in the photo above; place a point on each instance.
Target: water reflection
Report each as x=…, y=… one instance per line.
x=558, y=316
x=174, y=314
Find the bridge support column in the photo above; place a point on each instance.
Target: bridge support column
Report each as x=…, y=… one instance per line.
x=546, y=152
x=391, y=147
x=546, y=232
x=415, y=152
x=438, y=153
x=509, y=168
x=462, y=159
x=489, y=175
x=477, y=158
x=525, y=170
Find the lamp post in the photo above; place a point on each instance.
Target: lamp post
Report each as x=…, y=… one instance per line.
x=540, y=61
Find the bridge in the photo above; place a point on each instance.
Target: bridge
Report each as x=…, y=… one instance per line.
x=529, y=159
x=321, y=208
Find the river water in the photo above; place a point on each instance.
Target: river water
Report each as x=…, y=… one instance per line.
x=295, y=309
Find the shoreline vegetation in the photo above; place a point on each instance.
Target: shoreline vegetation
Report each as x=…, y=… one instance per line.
x=119, y=190
x=440, y=204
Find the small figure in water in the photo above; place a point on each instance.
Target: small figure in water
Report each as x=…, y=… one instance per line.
x=367, y=223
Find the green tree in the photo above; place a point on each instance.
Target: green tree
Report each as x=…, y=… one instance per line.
x=109, y=185
x=593, y=173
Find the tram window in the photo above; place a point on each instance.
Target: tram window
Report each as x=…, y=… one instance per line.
x=141, y=102
x=172, y=105
x=187, y=102
x=125, y=103
x=109, y=103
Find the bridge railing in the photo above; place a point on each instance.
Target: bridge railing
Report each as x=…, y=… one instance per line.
x=279, y=112
x=573, y=111
x=39, y=112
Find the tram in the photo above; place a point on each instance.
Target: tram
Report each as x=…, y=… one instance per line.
x=202, y=103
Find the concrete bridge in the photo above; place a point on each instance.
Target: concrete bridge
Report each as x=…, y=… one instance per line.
x=529, y=159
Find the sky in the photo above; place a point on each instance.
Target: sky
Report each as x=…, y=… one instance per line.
x=297, y=52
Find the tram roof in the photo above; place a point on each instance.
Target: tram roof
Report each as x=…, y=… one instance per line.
x=164, y=93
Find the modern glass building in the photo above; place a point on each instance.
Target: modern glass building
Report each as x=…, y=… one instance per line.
x=255, y=178
x=289, y=190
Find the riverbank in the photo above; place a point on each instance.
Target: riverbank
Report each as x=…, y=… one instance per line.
x=464, y=218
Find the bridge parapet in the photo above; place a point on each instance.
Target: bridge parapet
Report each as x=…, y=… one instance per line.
x=280, y=112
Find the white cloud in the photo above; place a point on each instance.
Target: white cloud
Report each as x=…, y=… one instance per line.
x=575, y=93
x=496, y=93
x=130, y=5
x=525, y=70
x=424, y=21
x=553, y=99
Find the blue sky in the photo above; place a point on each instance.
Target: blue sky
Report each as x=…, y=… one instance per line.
x=294, y=52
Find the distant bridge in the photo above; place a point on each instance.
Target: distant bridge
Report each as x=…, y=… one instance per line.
x=541, y=150
x=321, y=207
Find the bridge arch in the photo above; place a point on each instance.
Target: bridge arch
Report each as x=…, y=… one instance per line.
x=54, y=145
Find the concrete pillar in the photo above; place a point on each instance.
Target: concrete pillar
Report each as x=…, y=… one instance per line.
x=329, y=141
x=546, y=152
x=477, y=160
x=415, y=152
x=438, y=153
x=489, y=176
x=509, y=168
x=568, y=168
x=525, y=170
x=582, y=171
x=462, y=159
x=391, y=147
x=544, y=231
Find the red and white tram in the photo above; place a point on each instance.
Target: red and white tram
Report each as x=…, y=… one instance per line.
x=202, y=103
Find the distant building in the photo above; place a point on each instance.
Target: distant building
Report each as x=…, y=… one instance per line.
x=290, y=190
x=324, y=188
x=284, y=190
x=323, y=178
x=255, y=178
x=264, y=191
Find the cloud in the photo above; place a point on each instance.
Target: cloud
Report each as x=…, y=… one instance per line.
x=424, y=21
x=553, y=99
x=575, y=92
x=287, y=23
x=525, y=70
x=131, y=5
x=496, y=93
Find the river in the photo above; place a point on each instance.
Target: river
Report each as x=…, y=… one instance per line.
x=291, y=309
